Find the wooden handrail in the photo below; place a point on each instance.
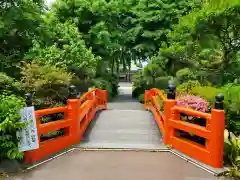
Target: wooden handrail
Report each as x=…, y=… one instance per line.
x=160, y=93
x=191, y=112
x=77, y=116
x=170, y=122
x=85, y=95
x=55, y=110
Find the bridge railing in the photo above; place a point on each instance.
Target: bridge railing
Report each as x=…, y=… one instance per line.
x=153, y=99
x=77, y=114
x=170, y=123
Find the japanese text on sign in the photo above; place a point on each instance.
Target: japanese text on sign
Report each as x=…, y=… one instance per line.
x=28, y=137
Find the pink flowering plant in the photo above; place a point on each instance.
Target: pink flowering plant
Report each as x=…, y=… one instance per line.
x=193, y=102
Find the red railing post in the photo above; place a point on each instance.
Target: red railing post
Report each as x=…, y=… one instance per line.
x=146, y=98
x=105, y=98
x=99, y=95
x=73, y=113
x=217, y=126
x=168, y=105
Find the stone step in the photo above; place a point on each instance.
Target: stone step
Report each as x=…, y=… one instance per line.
x=112, y=145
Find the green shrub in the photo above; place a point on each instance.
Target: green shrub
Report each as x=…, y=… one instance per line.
x=139, y=84
x=232, y=107
x=187, y=87
x=162, y=82
x=113, y=80
x=141, y=98
x=48, y=84
x=8, y=83
x=184, y=75
x=208, y=76
x=206, y=92
x=138, y=79
x=81, y=85
x=138, y=91
x=105, y=85
x=10, y=105
x=232, y=153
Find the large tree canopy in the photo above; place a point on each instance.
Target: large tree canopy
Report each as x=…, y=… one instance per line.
x=100, y=36
x=207, y=39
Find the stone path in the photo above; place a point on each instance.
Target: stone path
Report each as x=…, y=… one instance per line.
x=116, y=165
x=124, y=100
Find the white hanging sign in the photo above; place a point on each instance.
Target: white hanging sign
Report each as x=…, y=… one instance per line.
x=28, y=137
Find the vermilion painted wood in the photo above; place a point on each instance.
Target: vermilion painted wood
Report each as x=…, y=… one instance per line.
x=169, y=121
x=154, y=106
x=158, y=118
x=190, y=128
x=77, y=116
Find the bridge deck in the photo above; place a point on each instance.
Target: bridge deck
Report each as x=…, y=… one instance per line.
x=114, y=129
x=124, y=125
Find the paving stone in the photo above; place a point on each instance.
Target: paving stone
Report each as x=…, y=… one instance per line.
x=117, y=165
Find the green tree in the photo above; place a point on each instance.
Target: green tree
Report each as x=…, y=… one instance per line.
x=154, y=20
x=19, y=25
x=63, y=46
x=206, y=40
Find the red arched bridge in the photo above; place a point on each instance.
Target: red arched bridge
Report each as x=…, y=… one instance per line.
x=125, y=124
